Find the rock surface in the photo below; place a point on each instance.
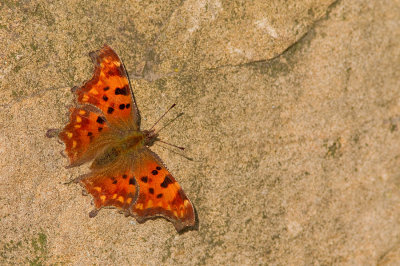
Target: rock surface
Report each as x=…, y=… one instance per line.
x=291, y=114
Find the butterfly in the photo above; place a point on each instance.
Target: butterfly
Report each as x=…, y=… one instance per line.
x=104, y=129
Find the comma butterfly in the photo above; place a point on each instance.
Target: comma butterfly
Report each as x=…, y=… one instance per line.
x=104, y=128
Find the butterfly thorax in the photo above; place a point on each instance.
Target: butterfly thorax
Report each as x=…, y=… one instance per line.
x=133, y=141
x=137, y=139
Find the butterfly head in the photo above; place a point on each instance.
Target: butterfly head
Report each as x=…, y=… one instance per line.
x=150, y=136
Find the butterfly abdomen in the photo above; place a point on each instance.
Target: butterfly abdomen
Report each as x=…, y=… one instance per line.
x=109, y=156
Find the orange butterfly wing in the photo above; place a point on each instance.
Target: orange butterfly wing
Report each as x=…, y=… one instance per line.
x=103, y=100
x=159, y=193
x=116, y=189
x=109, y=88
x=81, y=132
x=142, y=187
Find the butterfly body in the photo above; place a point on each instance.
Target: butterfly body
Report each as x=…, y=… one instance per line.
x=125, y=147
x=104, y=128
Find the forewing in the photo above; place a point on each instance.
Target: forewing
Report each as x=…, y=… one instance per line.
x=109, y=89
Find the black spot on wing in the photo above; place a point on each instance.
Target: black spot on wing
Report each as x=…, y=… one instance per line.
x=100, y=120
x=110, y=110
x=166, y=182
x=122, y=91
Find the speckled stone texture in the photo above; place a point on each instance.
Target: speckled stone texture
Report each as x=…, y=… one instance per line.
x=291, y=115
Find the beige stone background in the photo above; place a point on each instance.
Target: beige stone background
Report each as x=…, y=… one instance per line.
x=291, y=114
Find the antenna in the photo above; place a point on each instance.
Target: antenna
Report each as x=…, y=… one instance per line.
x=172, y=145
x=184, y=156
x=164, y=142
x=169, y=122
x=169, y=109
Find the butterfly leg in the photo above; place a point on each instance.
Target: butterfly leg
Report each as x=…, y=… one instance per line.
x=53, y=132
